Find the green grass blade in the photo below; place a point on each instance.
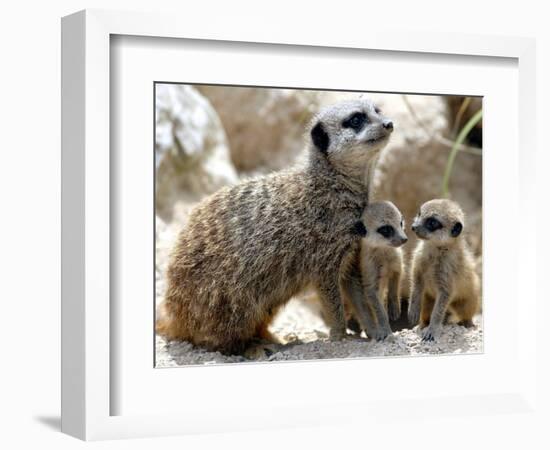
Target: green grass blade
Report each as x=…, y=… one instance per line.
x=474, y=120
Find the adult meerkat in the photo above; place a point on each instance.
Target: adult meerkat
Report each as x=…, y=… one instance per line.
x=444, y=280
x=249, y=248
x=381, y=266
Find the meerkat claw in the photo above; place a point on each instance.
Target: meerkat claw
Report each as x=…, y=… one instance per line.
x=381, y=335
x=429, y=334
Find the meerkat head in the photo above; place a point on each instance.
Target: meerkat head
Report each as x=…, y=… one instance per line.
x=351, y=134
x=439, y=221
x=385, y=225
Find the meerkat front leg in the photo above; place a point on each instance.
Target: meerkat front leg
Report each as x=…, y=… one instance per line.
x=433, y=330
x=383, y=330
x=329, y=293
x=394, y=300
x=352, y=287
x=426, y=308
x=375, y=303
x=417, y=290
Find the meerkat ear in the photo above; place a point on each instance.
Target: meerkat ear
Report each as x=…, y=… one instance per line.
x=320, y=137
x=457, y=229
x=359, y=228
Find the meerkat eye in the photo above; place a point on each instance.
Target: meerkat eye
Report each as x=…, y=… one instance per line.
x=386, y=231
x=356, y=121
x=432, y=224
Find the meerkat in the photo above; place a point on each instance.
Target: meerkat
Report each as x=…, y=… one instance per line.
x=444, y=280
x=381, y=266
x=249, y=248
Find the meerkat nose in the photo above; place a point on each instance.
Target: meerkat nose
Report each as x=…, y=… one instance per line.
x=388, y=125
x=404, y=240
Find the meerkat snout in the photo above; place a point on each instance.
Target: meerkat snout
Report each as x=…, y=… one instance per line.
x=388, y=125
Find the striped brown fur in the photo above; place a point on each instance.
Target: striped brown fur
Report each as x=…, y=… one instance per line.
x=249, y=248
x=444, y=281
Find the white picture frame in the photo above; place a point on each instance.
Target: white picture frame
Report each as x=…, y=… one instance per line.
x=88, y=329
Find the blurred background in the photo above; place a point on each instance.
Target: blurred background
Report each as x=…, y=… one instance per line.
x=211, y=136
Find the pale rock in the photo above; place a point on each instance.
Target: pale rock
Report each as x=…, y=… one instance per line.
x=191, y=150
x=265, y=127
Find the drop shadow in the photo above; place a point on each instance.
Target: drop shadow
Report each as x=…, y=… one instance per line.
x=51, y=422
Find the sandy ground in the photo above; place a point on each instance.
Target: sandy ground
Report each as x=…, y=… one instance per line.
x=305, y=337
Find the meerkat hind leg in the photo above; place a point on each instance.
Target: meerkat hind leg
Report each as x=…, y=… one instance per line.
x=259, y=349
x=464, y=309
x=394, y=302
x=426, y=310
x=467, y=323
x=265, y=343
x=262, y=331
x=416, y=300
x=333, y=306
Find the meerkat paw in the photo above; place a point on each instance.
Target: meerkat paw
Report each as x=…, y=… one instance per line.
x=254, y=353
x=394, y=311
x=261, y=351
x=381, y=333
x=413, y=314
x=430, y=333
x=337, y=334
x=468, y=323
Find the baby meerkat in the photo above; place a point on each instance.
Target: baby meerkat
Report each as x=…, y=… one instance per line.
x=444, y=280
x=249, y=248
x=381, y=265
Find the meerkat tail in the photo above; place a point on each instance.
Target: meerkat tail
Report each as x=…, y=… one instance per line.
x=166, y=326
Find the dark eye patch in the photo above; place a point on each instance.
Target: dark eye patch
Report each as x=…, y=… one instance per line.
x=359, y=228
x=386, y=231
x=432, y=224
x=356, y=121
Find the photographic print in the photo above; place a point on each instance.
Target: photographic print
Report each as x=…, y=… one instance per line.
x=301, y=224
